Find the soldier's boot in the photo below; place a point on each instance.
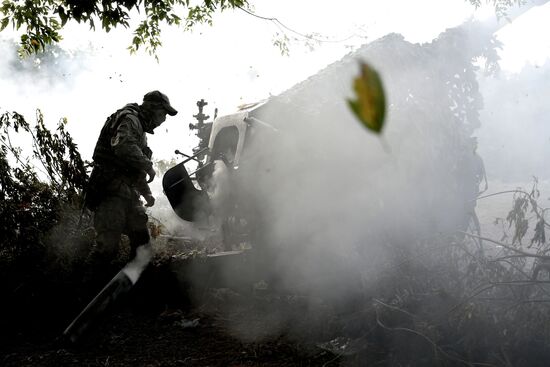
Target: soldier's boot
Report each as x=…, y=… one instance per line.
x=101, y=264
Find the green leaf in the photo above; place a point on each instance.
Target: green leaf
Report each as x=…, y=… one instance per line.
x=62, y=15
x=4, y=23
x=370, y=104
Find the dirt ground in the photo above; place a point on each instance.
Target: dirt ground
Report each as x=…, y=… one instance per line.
x=130, y=339
x=164, y=332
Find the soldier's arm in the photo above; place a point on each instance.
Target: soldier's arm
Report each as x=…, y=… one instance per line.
x=126, y=145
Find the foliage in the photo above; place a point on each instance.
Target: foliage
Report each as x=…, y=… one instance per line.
x=501, y=6
x=43, y=20
x=449, y=304
x=31, y=198
x=281, y=41
x=525, y=203
x=163, y=165
x=469, y=306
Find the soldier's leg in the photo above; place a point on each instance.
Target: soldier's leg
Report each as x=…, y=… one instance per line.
x=137, y=230
x=109, y=222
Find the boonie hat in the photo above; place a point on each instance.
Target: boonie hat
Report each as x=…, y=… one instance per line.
x=161, y=99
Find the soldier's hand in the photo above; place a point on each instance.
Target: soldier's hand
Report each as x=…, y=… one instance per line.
x=149, y=199
x=151, y=173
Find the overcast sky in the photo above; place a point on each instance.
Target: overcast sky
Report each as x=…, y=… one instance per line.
x=234, y=61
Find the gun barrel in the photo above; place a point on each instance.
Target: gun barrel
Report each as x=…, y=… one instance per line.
x=119, y=285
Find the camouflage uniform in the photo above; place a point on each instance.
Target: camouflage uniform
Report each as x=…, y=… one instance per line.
x=121, y=157
x=121, y=160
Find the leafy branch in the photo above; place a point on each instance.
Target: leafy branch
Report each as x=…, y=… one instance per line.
x=501, y=6
x=517, y=215
x=43, y=20
x=56, y=152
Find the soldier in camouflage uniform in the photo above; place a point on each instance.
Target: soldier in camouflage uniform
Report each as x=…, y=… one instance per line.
x=121, y=173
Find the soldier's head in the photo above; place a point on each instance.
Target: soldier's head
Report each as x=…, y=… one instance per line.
x=158, y=106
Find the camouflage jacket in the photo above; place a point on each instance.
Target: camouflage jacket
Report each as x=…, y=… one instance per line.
x=121, y=156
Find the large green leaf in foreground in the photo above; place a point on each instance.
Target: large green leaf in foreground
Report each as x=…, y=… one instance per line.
x=370, y=103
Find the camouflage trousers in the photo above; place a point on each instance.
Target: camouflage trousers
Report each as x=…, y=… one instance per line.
x=115, y=216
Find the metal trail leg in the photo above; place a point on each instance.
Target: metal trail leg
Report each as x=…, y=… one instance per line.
x=121, y=284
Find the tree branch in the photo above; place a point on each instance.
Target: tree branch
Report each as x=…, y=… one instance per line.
x=506, y=246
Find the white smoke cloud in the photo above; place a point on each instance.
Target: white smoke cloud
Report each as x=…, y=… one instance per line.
x=514, y=139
